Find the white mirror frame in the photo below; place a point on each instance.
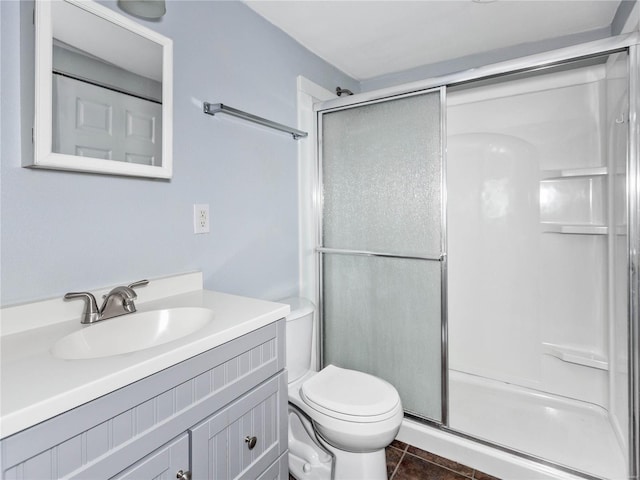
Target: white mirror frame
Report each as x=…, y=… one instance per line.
x=43, y=156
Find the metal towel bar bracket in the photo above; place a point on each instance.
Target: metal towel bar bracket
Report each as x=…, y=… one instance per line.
x=213, y=108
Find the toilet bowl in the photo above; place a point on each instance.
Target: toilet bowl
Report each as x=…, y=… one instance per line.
x=340, y=420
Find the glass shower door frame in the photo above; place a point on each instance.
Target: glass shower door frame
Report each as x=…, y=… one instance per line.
x=440, y=256
x=633, y=222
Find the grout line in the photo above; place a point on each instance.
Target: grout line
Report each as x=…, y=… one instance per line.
x=404, y=452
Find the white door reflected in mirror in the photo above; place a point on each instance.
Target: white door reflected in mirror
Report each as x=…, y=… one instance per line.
x=103, y=92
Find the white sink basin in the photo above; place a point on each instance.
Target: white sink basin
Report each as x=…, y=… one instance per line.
x=131, y=333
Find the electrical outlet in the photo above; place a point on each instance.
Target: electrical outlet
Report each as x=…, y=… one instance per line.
x=201, y=218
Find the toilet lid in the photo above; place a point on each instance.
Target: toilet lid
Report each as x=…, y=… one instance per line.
x=349, y=392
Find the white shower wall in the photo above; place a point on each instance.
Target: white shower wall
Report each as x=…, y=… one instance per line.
x=528, y=244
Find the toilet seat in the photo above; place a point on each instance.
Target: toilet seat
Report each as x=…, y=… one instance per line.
x=350, y=395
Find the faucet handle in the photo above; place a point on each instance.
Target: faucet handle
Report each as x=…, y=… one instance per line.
x=139, y=283
x=91, y=312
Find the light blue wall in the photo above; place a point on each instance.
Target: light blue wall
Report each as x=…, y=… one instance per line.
x=65, y=231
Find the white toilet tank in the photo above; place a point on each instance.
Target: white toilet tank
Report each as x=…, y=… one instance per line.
x=299, y=336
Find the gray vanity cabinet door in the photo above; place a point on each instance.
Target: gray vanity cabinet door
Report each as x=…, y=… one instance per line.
x=163, y=464
x=222, y=447
x=278, y=470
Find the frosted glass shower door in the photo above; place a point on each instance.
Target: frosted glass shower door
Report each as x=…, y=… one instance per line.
x=382, y=244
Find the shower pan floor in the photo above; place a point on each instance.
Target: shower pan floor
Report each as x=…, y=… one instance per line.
x=568, y=432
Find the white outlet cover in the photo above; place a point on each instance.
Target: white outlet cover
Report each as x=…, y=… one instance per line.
x=201, y=218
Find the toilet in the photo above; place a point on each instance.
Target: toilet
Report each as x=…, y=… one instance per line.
x=340, y=420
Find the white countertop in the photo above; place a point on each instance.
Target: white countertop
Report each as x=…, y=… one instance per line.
x=36, y=386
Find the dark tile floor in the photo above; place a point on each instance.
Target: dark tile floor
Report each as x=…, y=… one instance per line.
x=406, y=462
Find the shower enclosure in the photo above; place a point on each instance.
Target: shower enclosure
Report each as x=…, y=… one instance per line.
x=536, y=178
x=478, y=249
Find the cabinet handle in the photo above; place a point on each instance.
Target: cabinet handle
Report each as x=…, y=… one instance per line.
x=251, y=441
x=183, y=475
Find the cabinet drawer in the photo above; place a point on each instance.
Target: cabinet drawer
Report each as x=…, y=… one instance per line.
x=164, y=463
x=221, y=445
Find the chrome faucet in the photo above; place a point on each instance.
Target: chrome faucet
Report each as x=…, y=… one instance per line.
x=119, y=301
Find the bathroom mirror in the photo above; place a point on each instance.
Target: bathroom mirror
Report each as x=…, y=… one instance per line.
x=103, y=92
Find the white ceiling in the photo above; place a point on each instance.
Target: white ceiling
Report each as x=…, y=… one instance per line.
x=366, y=39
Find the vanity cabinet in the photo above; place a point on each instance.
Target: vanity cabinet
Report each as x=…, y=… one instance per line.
x=219, y=415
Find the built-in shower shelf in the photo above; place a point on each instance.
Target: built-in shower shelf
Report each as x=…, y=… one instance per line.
x=573, y=172
x=576, y=355
x=549, y=227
